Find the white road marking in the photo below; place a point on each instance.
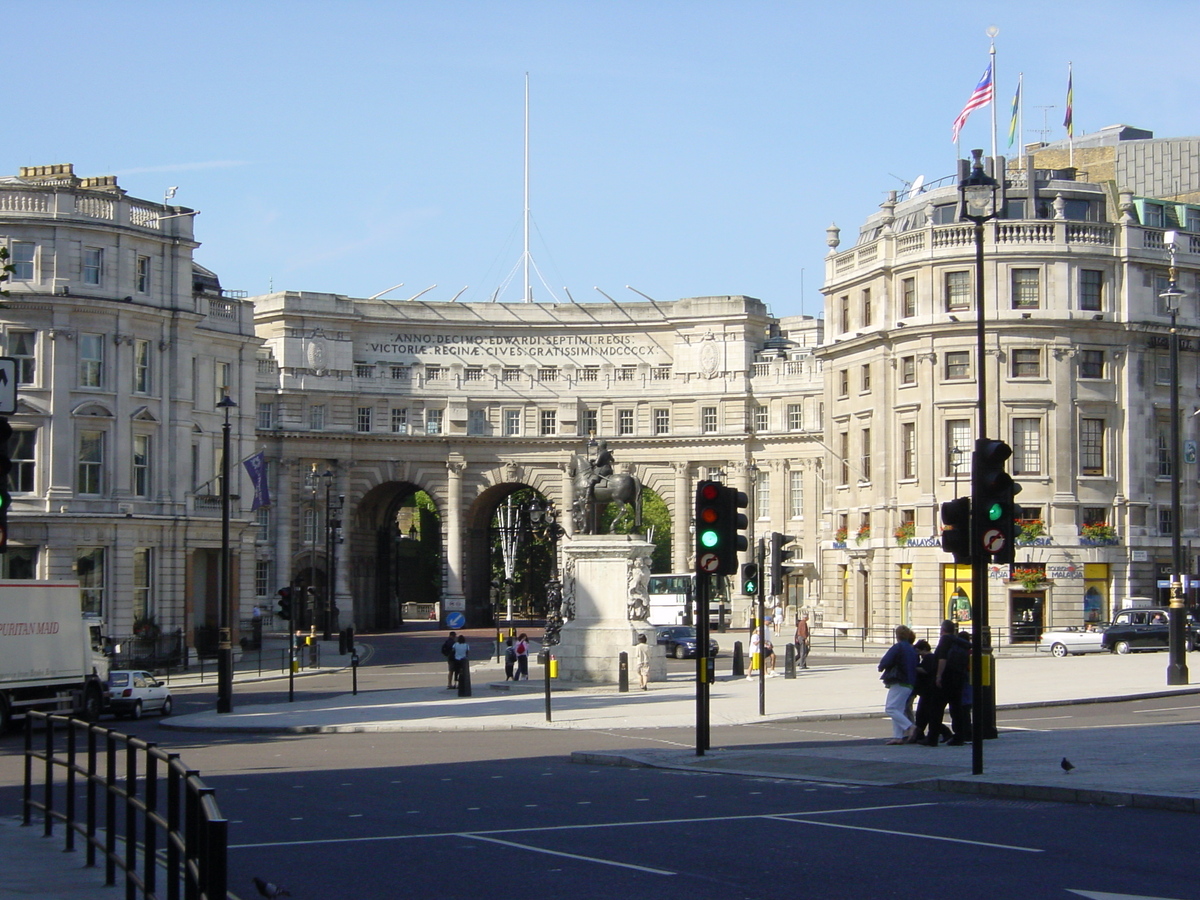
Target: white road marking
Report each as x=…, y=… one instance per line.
x=1099, y=895
x=1142, y=712
x=912, y=834
x=594, y=859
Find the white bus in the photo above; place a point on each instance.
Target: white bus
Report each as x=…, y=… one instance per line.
x=671, y=597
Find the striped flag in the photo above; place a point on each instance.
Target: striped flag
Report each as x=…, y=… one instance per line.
x=1016, y=107
x=981, y=96
x=1069, y=118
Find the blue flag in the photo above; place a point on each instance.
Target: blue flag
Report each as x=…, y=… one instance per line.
x=256, y=467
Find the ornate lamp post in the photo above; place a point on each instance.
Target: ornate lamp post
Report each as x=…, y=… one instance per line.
x=224, y=614
x=1177, y=670
x=980, y=200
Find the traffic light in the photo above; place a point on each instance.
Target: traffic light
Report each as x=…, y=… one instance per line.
x=778, y=556
x=285, y=602
x=996, y=490
x=717, y=525
x=956, y=528
x=750, y=579
x=5, y=467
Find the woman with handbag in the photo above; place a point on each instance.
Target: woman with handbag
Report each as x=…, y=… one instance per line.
x=899, y=668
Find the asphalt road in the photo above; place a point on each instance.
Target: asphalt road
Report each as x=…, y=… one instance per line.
x=490, y=814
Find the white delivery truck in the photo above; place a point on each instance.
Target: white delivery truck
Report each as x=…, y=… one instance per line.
x=51, y=655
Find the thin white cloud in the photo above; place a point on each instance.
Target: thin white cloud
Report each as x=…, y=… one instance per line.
x=187, y=167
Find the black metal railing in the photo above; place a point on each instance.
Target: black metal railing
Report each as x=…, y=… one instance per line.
x=158, y=823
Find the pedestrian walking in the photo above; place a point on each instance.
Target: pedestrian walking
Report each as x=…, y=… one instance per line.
x=448, y=652
x=953, y=661
x=522, y=650
x=899, y=668
x=462, y=650
x=803, y=641
x=641, y=654
x=510, y=658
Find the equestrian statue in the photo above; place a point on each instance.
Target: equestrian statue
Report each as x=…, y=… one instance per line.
x=596, y=485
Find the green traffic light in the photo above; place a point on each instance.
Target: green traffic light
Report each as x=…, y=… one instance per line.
x=751, y=587
x=995, y=512
x=709, y=539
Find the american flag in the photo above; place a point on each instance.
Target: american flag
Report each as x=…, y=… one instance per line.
x=981, y=96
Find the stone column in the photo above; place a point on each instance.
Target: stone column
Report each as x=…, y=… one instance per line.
x=681, y=543
x=453, y=532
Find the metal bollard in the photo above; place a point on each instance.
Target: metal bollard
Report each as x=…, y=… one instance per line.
x=739, y=662
x=354, y=673
x=623, y=673
x=464, y=679
x=789, y=661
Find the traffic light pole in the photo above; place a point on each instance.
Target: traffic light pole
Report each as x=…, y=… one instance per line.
x=703, y=596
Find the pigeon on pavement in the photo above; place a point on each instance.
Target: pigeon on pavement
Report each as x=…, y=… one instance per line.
x=1066, y=764
x=270, y=891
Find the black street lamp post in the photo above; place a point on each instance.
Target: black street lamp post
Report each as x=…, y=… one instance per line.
x=327, y=604
x=1177, y=670
x=224, y=614
x=980, y=201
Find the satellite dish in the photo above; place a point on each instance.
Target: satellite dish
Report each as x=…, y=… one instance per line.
x=917, y=185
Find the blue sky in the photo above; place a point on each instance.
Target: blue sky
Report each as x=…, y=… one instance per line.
x=682, y=148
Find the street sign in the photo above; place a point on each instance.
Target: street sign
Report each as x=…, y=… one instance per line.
x=455, y=620
x=708, y=562
x=993, y=540
x=455, y=604
x=8, y=385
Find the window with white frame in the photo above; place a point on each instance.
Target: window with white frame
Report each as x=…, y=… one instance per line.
x=316, y=417
x=93, y=265
x=662, y=420
x=142, y=275
x=143, y=583
x=1091, y=446
x=91, y=463
x=865, y=380
x=1166, y=465
x=308, y=527
x=589, y=373
x=591, y=421
x=512, y=423
x=844, y=457
x=433, y=420
x=762, y=494
x=958, y=365
x=364, y=370
x=222, y=381
x=265, y=416
x=762, y=418
x=141, y=465
x=399, y=421
x=21, y=257
x=708, y=419
x=1026, y=362
x=1027, y=446
x=958, y=446
x=624, y=373
x=509, y=374
x=908, y=297
x=22, y=346
x=400, y=373
x=435, y=373
x=141, y=367
x=624, y=421
x=908, y=450
x=262, y=522
x=262, y=577
x=866, y=453
x=866, y=307
x=90, y=571
x=796, y=494
x=795, y=416
x=1026, y=289
x=958, y=290
x=23, y=453
x=363, y=418
x=1161, y=363
x=547, y=373
x=1166, y=521
x=473, y=373
x=548, y=419
x=91, y=360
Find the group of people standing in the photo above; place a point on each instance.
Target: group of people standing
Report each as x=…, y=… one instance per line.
x=936, y=678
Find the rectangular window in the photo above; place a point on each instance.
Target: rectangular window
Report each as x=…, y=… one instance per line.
x=548, y=420
x=1163, y=448
x=399, y=421
x=262, y=521
x=143, y=599
x=866, y=378
x=591, y=421
x=22, y=346
x=795, y=416
x=510, y=374
x=796, y=494
x=844, y=456
x=762, y=419
x=1027, y=446
x=89, y=569
x=1091, y=446
x=1162, y=367
x=908, y=297
x=512, y=423
x=142, y=275
x=265, y=417
x=958, y=447
x=91, y=462
x=21, y=258
x=222, y=381
x=141, y=465
x=316, y=417
x=362, y=418
x=23, y=453
x=660, y=373
x=1026, y=363
x=19, y=563
x=958, y=365
x=908, y=450
x=93, y=265
x=589, y=373
x=845, y=310
x=477, y=421
x=708, y=419
x=364, y=370
x=624, y=421
x=547, y=373
x=433, y=421
x=141, y=367
x=662, y=421
x=262, y=577
x=401, y=373
x=1091, y=363
x=1026, y=289
x=1091, y=289
x=473, y=374
x=1166, y=522
x=1095, y=515
x=843, y=382
x=866, y=307
x=958, y=290
x=625, y=373
x=91, y=360
x=908, y=370
x=866, y=454
x=435, y=373
x=762, y=494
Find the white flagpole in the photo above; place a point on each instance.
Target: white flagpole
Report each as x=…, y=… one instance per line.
x=992, y=32
x=525, y=257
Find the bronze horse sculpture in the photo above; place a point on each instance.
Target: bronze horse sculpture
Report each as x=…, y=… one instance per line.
x=616, y=488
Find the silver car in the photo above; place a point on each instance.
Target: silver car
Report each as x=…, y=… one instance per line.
x=1068, y=640
x=135, y=692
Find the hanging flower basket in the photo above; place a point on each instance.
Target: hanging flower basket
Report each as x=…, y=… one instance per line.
x=1030, y=579
x=1099, y=533
x=839, y=536
x=906, y=532
x=1031, y=530
x=863, y=534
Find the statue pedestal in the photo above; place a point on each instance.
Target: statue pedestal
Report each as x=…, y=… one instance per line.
x=603, y=575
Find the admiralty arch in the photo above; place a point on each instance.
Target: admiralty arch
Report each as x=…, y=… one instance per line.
x=361, y=404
